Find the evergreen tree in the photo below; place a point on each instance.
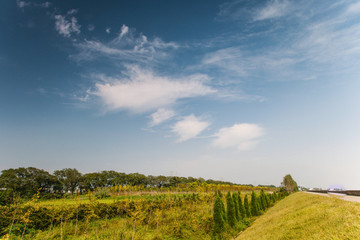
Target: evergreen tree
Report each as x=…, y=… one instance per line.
x=236, y=205
x=241, y=206
x=223, y=211
x=254, y=205
x=246, y=206
x=231, y=218
x=218, y=216
x=263, y=200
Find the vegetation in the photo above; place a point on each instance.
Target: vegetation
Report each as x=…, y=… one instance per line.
x=307, y=216
x=193, y=210
x=289, y=184
x=25, y=182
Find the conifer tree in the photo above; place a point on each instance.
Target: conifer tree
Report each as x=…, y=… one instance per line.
x=231, y=218
x=262, y=203
x=254, y=205
x=247, y=207
x=241, y=206
x=218, y=216
x=236, y=205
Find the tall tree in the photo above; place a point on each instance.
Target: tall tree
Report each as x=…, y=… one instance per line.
x=289, y=184
x=246, y=206
x=70, y=179
x=230, y=211
x=236, y=205
x=254, y=205
x=218, y=216
x=241, y=206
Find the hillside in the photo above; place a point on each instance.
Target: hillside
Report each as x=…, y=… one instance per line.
x=307, y=216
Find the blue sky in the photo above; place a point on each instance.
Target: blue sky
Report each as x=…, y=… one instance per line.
x=245, y=91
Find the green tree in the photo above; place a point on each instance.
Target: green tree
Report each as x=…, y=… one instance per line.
x=254, y=205
x=230, y=211
x=289, y=184
x=218, y=216
x=241, y=206
x=236, y=205
x=70, y=179
x=246, y=206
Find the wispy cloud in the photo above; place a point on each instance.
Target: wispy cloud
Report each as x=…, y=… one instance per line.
x=23, y=4
x=142, y=90
x=320, y=44
x=189, y=127
x=67, y=24
x=160, y=116
x=273, y=9
x=242, y=136
x=128, y=46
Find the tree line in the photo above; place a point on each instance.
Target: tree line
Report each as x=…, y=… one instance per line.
x=28, y=181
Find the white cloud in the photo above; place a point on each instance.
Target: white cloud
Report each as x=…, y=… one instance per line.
x=107, y=30
x=274, y=9
x=142, y=90
x=22, y=4
x=353, y=8
x=124, y=30
x=189, y=127
x=66, y=24
x=127, y=46
x=243, y=136
x=161, y=115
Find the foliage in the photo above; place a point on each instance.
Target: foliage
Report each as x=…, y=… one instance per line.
x=230, y=210
x=246, y=206
x=218, y=216
x=289, y=184
x=255, y=209
x=27, y=181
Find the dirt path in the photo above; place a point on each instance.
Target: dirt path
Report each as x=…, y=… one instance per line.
x=340, y=196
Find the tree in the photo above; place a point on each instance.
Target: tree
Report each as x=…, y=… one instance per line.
x=218, y=216
x=70, y=179
x=236, y=204
x=241, y=206
x=289, y=184
x=246, y=206
x=230, y=211
x=254, y=205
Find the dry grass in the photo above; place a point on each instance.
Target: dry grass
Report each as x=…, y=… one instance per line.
x=307, y=216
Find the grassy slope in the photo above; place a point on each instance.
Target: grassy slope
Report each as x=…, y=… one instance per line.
x=307, y=216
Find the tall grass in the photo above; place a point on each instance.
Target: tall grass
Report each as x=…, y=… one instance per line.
x=307, y=216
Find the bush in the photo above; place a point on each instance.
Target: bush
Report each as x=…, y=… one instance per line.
x=102, y=193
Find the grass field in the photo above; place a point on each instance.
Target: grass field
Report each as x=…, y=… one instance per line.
x=307, y=216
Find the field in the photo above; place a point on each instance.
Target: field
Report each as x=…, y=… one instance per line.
x=307, y=216
x=130, y=216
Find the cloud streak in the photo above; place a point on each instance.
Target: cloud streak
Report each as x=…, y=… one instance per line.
x=273, y=9
x=128, y=46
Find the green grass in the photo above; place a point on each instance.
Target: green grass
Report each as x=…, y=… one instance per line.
x=83, y=199
x=307, y=216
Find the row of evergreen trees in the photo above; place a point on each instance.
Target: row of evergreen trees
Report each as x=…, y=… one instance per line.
x=238, y=211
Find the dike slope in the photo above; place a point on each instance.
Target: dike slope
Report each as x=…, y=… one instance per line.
x=307, y=216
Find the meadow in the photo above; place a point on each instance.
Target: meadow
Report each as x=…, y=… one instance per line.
x=307, y=216
x=139, y=216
